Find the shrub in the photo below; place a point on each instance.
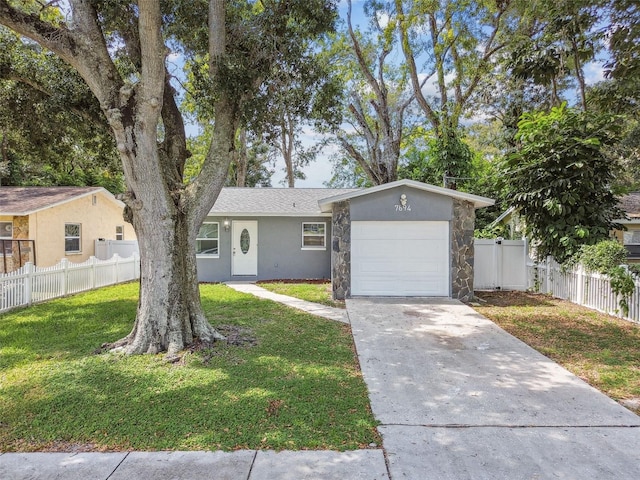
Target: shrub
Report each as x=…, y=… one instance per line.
x=609, y=257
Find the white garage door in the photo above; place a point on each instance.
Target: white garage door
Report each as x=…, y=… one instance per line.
x=400, y=258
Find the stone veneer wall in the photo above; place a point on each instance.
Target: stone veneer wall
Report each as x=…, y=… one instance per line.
x=21, y=227
x=462, y=252
x=341, y=250
x=20, y=232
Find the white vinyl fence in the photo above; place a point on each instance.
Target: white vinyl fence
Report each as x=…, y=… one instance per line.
x=500, y=264
x=591, y=290
x=32, y=284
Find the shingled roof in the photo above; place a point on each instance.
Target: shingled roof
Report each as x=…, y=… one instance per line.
x=28, y=200
x=631, y=204
x=283, y=202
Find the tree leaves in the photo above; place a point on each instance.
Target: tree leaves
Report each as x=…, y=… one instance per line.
x=560, y=180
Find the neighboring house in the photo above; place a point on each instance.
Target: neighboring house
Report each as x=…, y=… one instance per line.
x=403, y=238
x=630, y=237
x=46, y=224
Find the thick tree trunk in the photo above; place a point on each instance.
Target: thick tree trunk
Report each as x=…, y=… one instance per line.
x=169, y=313
x=166, y=217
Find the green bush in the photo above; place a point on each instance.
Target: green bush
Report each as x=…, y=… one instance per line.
x=609, y=258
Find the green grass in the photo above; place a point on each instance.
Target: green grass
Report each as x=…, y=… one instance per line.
x=311, y=292
x=601, y=349
x=298, y=387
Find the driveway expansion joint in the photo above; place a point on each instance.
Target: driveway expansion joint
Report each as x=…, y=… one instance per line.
x=489, y=425
x=253, y=462
x=118, y=466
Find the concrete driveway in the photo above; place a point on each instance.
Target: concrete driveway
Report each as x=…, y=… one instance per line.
x=458, y=397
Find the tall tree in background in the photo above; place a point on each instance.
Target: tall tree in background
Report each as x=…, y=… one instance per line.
x=377, y=100
x=562, y=36
x=127, y=73
x=297, y=92
x=624, y=40
x=450, y=44
x=249, y=163
x=300, y=100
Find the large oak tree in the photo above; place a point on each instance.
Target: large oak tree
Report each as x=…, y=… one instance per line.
x=120, y=49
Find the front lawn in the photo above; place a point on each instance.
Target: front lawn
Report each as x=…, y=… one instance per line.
x=601, y=349
x=285, y=380
x=311, y=292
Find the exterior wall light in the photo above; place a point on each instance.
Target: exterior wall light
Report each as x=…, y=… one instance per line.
x=226, y=224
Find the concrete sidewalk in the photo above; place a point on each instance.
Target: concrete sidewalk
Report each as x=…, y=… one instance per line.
x=459, y=398
x=241, y=465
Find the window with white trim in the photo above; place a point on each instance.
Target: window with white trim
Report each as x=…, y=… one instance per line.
x=631, y=237
x=119, y=232
x=72, y=238
x=6, y=233
x=314, y=235
x=208, y=240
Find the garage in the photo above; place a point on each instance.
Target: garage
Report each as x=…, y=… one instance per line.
x=400, y=258
x=402, y=239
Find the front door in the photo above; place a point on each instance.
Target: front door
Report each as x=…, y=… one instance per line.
x=244, y=248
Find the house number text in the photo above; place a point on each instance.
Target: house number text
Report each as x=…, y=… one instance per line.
x=403, y=206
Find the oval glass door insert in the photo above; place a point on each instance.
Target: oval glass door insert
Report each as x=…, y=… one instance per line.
x=245, y=240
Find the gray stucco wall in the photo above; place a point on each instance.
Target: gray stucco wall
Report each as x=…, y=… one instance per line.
x=280, y=254
x=381, y=206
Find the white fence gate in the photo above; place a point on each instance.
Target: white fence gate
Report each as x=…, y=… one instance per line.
x=500, y=264
x=32, y=284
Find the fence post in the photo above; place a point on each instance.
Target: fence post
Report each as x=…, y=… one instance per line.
x=28, y=283
x=580, y=285
x=136, y=265
x=548, y=274
x=93, y=271
x=116, y=258
x=497, y=262
x=65, y=272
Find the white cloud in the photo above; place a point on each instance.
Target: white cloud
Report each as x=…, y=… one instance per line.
x=593, y=73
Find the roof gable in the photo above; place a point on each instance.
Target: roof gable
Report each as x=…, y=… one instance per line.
x=326, y=203
x=20, y=201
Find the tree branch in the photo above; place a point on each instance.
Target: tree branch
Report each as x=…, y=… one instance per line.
x=413, y=70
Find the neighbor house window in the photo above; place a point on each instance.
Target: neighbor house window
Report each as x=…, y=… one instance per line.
x=314, y=235
x=632, y=237
x=72, y=232
x=6, y=233
x=208, y=239
x=119, y=232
